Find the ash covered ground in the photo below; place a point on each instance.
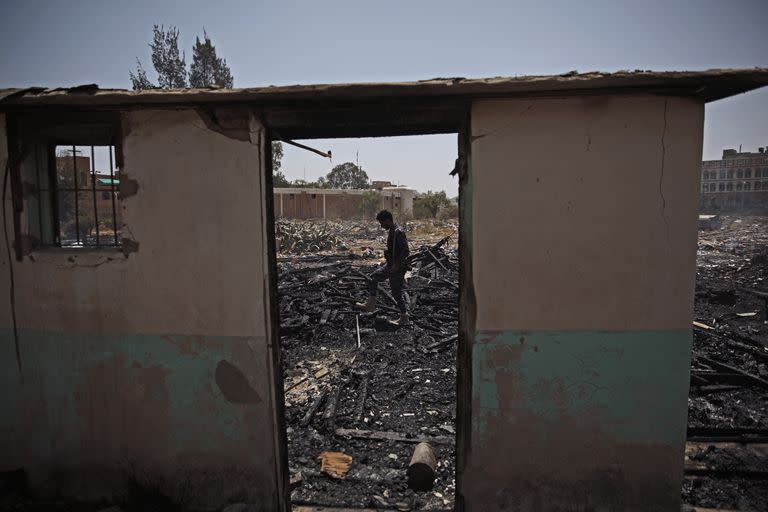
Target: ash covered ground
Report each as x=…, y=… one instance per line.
x=407, y=376
x=400, y=381
x=731, y=336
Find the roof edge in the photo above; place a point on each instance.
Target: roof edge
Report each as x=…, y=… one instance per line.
x=709, y=85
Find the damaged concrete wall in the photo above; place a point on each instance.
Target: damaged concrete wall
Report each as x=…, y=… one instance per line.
x=154, y=363
x=583, y=232
x=297, y=203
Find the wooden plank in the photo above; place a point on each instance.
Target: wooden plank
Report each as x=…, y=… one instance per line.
x=753, y=379
x=392, y=436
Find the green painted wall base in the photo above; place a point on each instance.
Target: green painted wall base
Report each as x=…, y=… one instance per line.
x=592, y=418
x=92, y=408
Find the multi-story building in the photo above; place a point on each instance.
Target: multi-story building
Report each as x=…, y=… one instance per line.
x=738, y=181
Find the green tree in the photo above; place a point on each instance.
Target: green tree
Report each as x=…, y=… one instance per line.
x=140, y=81
x=449, y=212
x=277, y=156
x=347, y=175
x=370, y=203
x=300, y=183
x=168, y=62
x=207, y=68
x=278, y=178
x=427, y=205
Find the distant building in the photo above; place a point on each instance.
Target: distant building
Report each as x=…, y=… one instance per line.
x=380, y=185
x=737, y=182
x=334, y=203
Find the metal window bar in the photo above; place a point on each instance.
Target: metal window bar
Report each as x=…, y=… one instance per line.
x=77, y=197
x=53, y=185
x=55, y=200
x=39, y=193
x=93, y=189
x=112, y=186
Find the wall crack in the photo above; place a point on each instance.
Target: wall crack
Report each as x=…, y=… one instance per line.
x=661, y=174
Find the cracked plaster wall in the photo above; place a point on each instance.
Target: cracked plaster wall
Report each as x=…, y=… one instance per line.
x=583, y=246
x=159, y=359
x=577, y=227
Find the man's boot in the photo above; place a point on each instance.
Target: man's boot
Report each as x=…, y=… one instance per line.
x=369, y=305
x=401, y=321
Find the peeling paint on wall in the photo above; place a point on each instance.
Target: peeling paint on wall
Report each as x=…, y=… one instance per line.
x=128, y=186
x=602, y=413
x=135, y=342
x=129, y=246
x=232, y=123
x=91, y=404
x=234, y=385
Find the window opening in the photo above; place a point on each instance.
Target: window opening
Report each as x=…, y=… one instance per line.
x=82, y=191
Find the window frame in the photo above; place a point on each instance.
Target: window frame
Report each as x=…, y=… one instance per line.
x=55, y=192
x=40, y=133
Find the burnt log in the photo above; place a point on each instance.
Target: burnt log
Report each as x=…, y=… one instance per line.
x=421, y=470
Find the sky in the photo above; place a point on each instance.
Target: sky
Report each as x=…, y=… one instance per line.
x=58, y=43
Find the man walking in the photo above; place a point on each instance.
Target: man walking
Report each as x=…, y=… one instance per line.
x=396, y=256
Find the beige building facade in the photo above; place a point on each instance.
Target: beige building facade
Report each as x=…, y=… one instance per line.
x=324, y=203
x=736, y=182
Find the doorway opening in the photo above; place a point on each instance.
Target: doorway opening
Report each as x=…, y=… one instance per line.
x=370, y=408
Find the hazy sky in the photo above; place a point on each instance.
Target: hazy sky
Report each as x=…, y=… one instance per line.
x=65, y=43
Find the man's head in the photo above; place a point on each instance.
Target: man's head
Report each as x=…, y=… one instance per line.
x=385, y=219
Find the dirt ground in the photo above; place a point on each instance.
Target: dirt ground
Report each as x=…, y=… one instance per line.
x=407, y=376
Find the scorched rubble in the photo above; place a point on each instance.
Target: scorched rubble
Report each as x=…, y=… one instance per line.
x=395, y=382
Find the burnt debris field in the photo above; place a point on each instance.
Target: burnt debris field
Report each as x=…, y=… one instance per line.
x=727, y=454
x=356, y=386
